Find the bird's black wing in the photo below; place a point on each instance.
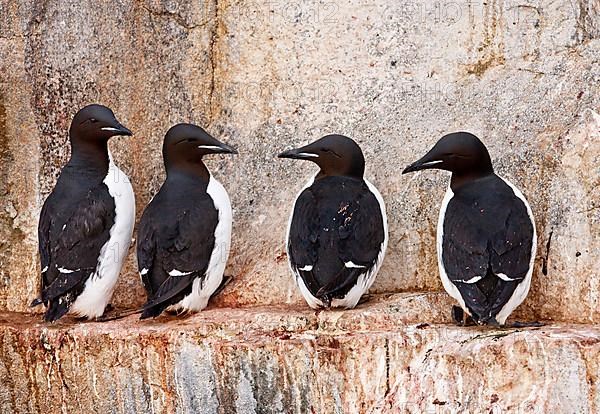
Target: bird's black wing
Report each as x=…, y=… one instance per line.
x=360, y=234
x=303, y=240
x=465, y=242
x=328, y=232
x=71, y=252
x=180, y=240
x=44, y=241
x=510, y=254
x=482, y=239
x=360, y=230
x=511, y=249
x=145, y=250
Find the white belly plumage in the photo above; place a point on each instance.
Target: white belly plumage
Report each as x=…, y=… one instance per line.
x=100, y=286
x=198, y=298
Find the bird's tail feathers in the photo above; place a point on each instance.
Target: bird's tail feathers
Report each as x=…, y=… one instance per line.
x=344, y=279
x=36, y=302
x=153, y=311
x=55, y=311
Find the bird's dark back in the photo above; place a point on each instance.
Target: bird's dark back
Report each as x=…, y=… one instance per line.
x=73, y=185
x=347, y=211
x=487, y=202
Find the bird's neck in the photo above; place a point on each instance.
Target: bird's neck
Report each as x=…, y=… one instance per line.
x=459, y=180
x=356, y=172
x=91, y=155
x=321, y=175
x=195, y=171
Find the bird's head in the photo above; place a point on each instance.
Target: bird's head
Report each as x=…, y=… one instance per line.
x=188, y=143
x=334, y=154
x=461, y=153
x=96, y=123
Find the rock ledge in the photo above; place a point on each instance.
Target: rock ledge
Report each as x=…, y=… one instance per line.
x=374, y=359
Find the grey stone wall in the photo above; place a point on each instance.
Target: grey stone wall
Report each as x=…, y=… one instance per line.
x=265, y=76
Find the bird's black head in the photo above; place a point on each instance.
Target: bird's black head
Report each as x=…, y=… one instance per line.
x=186, y=144
x=334, y=154
x=461, y=153
x=96, y=123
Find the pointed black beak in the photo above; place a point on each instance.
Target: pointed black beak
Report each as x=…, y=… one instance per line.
x=214, y=146
x=415, y=166
x=298, y=154
x=118, y=129
x=35, y=302
x=425, y=163
x=125, y=131
x=225, y=149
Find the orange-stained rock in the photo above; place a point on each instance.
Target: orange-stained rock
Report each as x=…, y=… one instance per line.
x=295, y=360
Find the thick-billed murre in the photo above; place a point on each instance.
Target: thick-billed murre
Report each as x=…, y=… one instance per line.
x=337, y=233
x=184, y=234
x=86, y=222
x=486, y=237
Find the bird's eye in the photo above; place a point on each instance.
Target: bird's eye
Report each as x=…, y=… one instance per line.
x=186, y=140
x=332, y=152
x=93, y=120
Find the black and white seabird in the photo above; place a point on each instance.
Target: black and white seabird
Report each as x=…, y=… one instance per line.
x=486, y=238
x=86, y=222
x=184, y=234
x=337, y=233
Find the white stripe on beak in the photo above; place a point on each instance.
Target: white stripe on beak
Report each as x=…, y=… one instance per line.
x=432, y=162
x=215, y=147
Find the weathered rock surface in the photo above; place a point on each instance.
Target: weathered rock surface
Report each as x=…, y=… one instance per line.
x=373, y=359
x=265, y=76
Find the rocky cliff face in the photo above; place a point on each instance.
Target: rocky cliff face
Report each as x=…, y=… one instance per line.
x=266, y=76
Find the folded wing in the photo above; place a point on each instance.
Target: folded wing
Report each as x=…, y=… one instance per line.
x=174, y=251
x=334, y=240
x=69, y=253
x=486, y=252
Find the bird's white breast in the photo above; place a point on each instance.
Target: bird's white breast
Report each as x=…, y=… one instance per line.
x=100, y=286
